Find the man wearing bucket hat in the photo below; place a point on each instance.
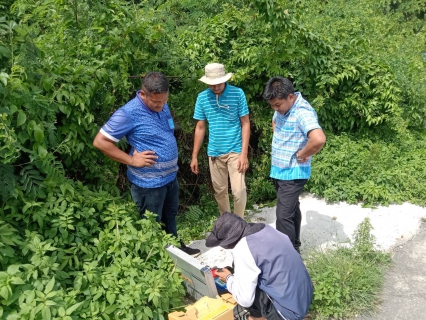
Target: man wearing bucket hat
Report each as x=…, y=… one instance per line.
x=225, y=109
x=270, y=280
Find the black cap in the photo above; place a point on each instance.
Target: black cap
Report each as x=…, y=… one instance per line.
x=227, y=231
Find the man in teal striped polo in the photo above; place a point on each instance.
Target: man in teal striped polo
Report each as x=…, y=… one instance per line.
x=224, y=108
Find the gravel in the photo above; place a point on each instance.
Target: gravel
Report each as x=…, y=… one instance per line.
x=323, y=224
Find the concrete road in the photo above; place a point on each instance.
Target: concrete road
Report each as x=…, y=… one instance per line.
x=404, y=293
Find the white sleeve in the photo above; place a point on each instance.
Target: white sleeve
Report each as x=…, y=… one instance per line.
x=243, y=283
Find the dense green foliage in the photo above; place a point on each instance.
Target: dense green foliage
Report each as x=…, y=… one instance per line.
x=79, y=254
x=347, y=280
x=356, y=168
x=67, y=231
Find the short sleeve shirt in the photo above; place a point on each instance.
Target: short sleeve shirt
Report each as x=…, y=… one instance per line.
x=290, y=136
x=145, y=130
x=223, y=115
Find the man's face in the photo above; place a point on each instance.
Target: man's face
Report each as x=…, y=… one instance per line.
x=154, y=101
x=282, y=105
x=218, y=88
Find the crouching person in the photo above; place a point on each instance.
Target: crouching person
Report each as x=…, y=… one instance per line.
x=270, y=279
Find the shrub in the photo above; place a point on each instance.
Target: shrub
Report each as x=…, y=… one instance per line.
x=354, y=168
x=79, y=254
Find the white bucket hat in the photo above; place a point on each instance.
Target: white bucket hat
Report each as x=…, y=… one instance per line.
x=215, y=74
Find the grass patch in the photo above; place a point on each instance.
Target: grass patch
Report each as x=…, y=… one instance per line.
x=347, y=280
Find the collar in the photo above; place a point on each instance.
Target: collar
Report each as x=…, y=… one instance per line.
x=295, y=104
x=298, y=100
x=141, y=101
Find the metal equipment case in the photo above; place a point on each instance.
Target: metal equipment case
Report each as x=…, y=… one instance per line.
x=198, y=278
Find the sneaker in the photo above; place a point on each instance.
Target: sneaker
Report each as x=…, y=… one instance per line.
x=188, y=250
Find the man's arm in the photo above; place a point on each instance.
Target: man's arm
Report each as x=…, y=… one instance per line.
x=316, y=142
x=139, y=159
x=200, y=130
x=242, y=285
x=243, y=163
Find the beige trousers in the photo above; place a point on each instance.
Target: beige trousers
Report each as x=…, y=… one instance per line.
x=220, y=167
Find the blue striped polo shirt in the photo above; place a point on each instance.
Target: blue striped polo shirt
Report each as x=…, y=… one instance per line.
x=145, y=130
x=290, y=136
x=224, y=121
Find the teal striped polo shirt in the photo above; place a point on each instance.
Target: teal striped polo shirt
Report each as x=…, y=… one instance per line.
x=223, y=116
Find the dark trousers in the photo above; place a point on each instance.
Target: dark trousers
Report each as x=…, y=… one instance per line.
x=163, y=201
x=263, y=307
x=289, y=216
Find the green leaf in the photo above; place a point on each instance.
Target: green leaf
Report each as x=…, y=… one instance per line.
x=5, y=52
x=155, y=301
x=71, y=309
x=50, y=303
x=4, y=292
x=30, y=297
x=21, y=118
x=49, y=286
x=3, y=78
x=45, y=312
x=111, y=308
x=31, y=126
x=148, y=312
x=110, y=297
x=13, y=268
x=39, y=135
x=61, y=312
x=41, y=150
x=17, y=280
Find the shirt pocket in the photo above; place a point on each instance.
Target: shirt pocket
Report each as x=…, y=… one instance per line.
x=232, y=114
x=170, y=123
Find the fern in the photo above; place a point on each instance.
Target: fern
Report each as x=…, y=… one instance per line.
x=51, y=167
x=194, y=213
x=51, y=133
x=30, y=179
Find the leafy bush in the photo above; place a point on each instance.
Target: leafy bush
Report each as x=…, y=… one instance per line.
x=347, y=280
x=85, y=253
x=374, y=35
x=356, y=168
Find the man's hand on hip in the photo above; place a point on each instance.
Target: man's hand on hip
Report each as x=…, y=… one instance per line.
x=243, y=163
x=143, y=159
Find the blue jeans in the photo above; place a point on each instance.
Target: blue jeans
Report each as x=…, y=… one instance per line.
x=163, y=201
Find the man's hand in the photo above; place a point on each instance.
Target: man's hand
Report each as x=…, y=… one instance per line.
x=143, y=159
x=223, y=274
x=300, y=159
x=194, y=165
x=243, y=163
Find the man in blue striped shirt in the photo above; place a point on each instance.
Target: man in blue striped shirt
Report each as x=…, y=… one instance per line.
x=297, y=136
x=225, y=109
x=148, y=126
